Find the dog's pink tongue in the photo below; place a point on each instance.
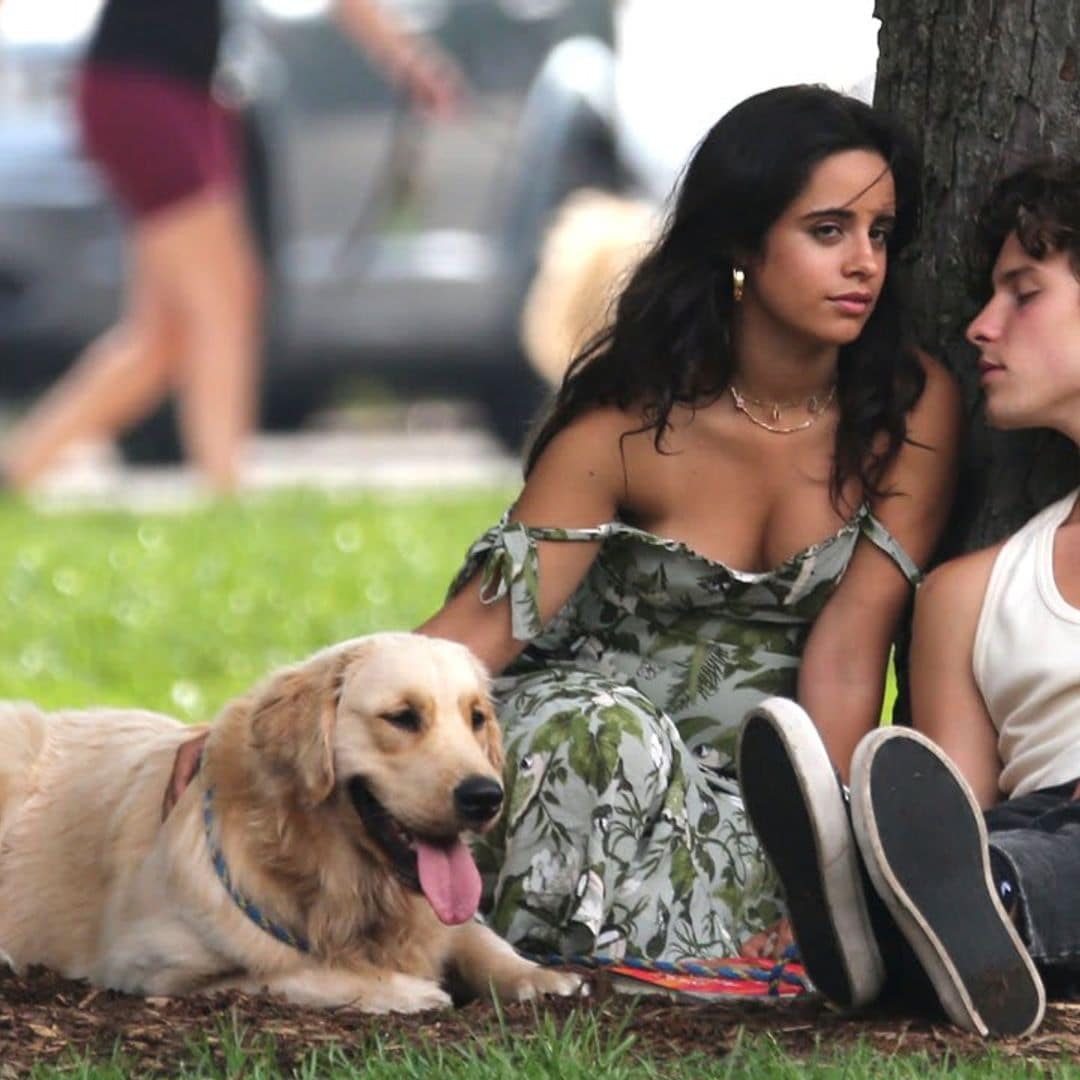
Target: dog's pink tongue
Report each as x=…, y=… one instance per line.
x=450, y=880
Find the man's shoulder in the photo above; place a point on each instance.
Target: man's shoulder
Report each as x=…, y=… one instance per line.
x=960, y=582
x=959, y=577
x=949, y=603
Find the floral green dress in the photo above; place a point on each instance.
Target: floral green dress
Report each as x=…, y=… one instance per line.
x=624, y=833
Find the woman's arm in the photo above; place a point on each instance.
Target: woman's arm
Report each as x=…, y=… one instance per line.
x=414, y=61
x=842, y=677
x=946, y=704
x=577, y=483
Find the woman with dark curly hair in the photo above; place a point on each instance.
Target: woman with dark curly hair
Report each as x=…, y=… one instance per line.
x=729, y=499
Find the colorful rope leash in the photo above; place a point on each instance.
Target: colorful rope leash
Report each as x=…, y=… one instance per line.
x=779, y=973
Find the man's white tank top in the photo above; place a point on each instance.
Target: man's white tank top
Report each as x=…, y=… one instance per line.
x=1026, y=659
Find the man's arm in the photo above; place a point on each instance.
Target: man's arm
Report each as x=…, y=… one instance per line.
x=946, y=704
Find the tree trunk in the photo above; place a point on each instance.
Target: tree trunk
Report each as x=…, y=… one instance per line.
x=984, y=86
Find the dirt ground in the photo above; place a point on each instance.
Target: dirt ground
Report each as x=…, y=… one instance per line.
x=43, y=1018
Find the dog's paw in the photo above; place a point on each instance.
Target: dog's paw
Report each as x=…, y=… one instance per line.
x=537, y=981
x=404, y=994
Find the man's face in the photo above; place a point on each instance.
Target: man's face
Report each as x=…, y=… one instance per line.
x=1028, y=337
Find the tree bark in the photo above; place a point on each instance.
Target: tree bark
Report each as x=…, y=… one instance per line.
x=984, y=86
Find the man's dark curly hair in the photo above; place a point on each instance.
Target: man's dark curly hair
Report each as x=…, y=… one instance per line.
x=1041, y=203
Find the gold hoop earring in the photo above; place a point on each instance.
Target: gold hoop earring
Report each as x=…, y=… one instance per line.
x=738, y=280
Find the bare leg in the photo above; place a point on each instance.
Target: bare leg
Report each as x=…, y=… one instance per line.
x=215, y=285
x=191, y=325
x=117, y=379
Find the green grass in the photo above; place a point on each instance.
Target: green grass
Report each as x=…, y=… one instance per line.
x=179, y=612
x=576, y=1049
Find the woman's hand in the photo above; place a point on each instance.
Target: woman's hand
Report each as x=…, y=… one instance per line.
x=770, y=944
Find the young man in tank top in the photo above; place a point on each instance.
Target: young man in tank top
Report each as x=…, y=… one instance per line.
x=955, y=857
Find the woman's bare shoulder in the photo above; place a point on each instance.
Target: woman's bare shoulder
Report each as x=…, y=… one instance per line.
x=942, y=391
x=933, y=367
x=606, y=422
x=935, y=421
x=583, y=468
x=594, y=439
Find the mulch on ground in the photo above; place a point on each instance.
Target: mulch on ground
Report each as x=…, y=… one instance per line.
x=43, y=1018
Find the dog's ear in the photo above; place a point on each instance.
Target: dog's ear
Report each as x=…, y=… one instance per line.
x=185, y=766
x=292, y=725
x=494, y=741
x=492, y=732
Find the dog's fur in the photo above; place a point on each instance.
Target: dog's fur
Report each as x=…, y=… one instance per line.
x=95, y=885
x=594, y=242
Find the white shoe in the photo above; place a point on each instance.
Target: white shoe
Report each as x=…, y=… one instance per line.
x=796, y=805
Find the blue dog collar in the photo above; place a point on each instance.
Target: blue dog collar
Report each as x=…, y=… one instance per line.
x=248, y=907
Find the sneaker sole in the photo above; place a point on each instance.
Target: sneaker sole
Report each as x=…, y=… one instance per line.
x=793, y=799
x=936, y=882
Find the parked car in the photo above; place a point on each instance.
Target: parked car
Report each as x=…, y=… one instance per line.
x=394, y=248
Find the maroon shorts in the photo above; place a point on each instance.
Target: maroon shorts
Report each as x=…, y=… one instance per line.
x=157, y=138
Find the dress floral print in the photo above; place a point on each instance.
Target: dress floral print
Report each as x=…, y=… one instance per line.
x=624, y=832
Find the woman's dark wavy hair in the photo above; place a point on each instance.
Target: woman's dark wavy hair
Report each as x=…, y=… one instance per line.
x=670, y=342
x=1041, y=203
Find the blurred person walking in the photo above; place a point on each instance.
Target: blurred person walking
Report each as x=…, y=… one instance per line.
x=170, y=152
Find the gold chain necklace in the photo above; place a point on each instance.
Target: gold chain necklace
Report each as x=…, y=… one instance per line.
x=814, y=405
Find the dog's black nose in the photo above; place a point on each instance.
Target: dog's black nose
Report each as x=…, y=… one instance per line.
x=478, y=799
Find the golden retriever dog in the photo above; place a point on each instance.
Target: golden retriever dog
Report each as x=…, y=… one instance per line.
x=594, y=242
x=316, y=852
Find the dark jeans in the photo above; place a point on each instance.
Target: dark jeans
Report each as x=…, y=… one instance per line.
x=1038, y=836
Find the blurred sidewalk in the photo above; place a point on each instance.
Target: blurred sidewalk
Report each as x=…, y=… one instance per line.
x=430, y=445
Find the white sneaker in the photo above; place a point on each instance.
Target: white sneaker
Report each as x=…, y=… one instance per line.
x=797, y=807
